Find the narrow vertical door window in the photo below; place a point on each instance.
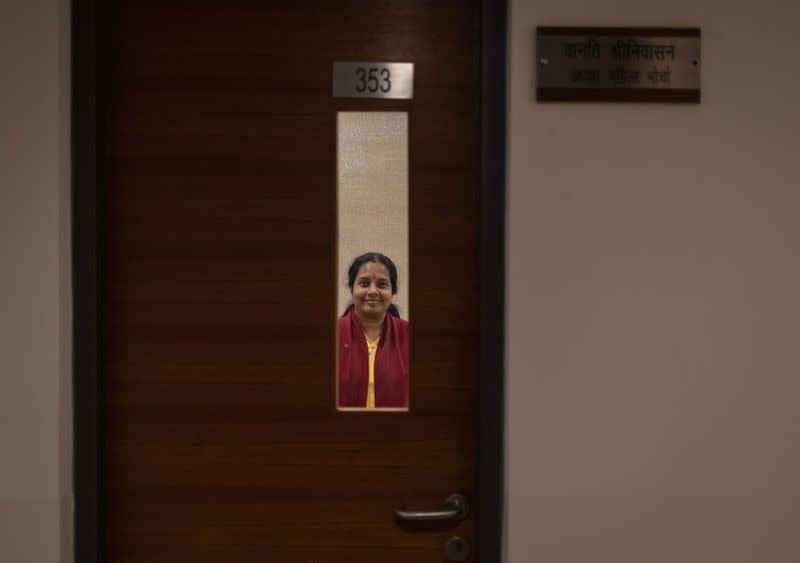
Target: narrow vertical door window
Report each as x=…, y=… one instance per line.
x=372, y=261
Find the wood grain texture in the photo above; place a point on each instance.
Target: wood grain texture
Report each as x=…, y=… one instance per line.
x=219, y=136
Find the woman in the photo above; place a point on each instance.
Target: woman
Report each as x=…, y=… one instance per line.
x=373, y=339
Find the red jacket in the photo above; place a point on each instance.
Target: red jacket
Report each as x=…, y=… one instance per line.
x=391, y=363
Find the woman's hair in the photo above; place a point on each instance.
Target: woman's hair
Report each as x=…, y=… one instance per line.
x=352, y=272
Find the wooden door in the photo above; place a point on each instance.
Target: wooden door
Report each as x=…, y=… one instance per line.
x=218, y=175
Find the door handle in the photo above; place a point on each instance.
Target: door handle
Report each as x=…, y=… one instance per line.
x=456, y=508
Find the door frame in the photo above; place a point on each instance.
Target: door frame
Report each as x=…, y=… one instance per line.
x=88, y=306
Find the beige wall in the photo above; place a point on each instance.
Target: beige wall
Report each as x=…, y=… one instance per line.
x=372, y=194
x=653, y=311
x=35, y=439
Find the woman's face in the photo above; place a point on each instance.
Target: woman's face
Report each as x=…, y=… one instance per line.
x=372, y=291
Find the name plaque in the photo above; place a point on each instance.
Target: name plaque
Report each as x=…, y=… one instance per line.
x=617, y=64
x=373, y=80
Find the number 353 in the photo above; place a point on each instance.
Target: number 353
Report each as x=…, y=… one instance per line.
x=373, y=80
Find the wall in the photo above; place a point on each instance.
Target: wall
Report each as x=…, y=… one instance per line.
x=372, y=194
x=35, y=440
x=653, y=305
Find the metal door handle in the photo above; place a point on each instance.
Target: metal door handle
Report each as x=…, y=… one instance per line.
x=456, y=508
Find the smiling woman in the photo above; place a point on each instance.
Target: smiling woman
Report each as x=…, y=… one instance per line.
x=373, y=339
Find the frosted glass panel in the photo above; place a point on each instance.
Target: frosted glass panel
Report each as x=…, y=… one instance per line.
x=372, y=155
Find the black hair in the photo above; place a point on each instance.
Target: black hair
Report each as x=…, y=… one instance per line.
x=352, y=272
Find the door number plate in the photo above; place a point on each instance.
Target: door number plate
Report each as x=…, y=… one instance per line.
x=373, y=80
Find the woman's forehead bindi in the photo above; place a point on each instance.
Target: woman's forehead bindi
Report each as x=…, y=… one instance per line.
x=373, y=270
x=373, y=275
